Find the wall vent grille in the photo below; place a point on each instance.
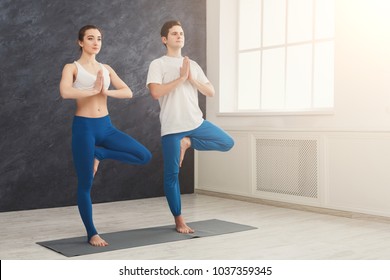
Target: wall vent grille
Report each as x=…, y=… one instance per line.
x=287, y=166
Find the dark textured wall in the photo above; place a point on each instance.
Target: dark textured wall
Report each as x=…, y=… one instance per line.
x=37, y=38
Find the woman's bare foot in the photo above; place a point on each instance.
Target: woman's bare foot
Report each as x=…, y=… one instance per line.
x=181, y=226
x=97, y=241
x=95, y=166
x=185, y=143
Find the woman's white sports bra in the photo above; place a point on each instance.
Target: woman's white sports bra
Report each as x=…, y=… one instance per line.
x=86, y=80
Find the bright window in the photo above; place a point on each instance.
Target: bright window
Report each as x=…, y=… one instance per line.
x=284, y=56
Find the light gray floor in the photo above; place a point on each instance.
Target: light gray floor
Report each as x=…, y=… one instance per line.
x=282, y=234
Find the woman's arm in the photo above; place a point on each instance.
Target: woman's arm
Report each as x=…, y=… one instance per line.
x=121, y=89
x=67, y=90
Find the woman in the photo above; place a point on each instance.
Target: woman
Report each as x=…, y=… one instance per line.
x=94, y=138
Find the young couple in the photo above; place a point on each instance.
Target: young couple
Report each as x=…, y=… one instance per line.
x=174, y=81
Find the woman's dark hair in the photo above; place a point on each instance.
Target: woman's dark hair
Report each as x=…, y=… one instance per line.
x=84, y=29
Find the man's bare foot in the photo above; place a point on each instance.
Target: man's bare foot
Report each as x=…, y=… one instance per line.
x=185, y=143
x=181, y=226
x=97, y=241
x=95, y=166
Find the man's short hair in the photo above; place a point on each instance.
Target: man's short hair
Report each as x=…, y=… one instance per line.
x=168, y=25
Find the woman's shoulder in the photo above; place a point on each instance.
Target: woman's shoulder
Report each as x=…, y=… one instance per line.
x=70, y=67
x=73, y=64
x=107, y=67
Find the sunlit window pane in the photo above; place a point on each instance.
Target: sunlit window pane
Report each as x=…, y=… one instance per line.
x=324, y=25
x=272, y=86
x=285, y=55
x=274, y=24
x=300, y=20
x=250, y=24
x=323, y=75
x=299, y=77
x=249, y=81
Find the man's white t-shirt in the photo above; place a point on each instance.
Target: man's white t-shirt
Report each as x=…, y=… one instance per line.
x=180, y=108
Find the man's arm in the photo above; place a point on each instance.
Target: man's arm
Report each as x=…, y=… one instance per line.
x=159, y=90
x=206, y=89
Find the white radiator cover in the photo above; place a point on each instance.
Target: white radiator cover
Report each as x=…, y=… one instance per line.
x=286, y=167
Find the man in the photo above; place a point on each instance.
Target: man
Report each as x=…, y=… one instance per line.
x=174, y=81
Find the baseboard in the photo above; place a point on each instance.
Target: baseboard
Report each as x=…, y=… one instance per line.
x=319, y=210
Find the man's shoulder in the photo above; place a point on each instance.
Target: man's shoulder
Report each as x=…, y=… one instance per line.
x=157, y=61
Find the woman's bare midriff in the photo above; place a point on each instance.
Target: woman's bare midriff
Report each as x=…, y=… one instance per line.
x=92, y=107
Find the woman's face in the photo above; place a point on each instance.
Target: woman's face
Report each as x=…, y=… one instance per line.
x=92, y=41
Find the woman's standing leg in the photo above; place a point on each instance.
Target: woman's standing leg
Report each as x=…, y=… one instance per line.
x=83, y=148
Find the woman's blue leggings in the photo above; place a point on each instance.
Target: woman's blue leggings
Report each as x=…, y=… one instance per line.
x=98, y=138
x=207, y=137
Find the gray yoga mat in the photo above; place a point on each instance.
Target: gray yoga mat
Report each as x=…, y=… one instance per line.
x=78, y=246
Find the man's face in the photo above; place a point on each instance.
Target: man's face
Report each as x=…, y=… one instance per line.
x=175, y=38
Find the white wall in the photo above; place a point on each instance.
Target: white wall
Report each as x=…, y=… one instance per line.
x=355, y=140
